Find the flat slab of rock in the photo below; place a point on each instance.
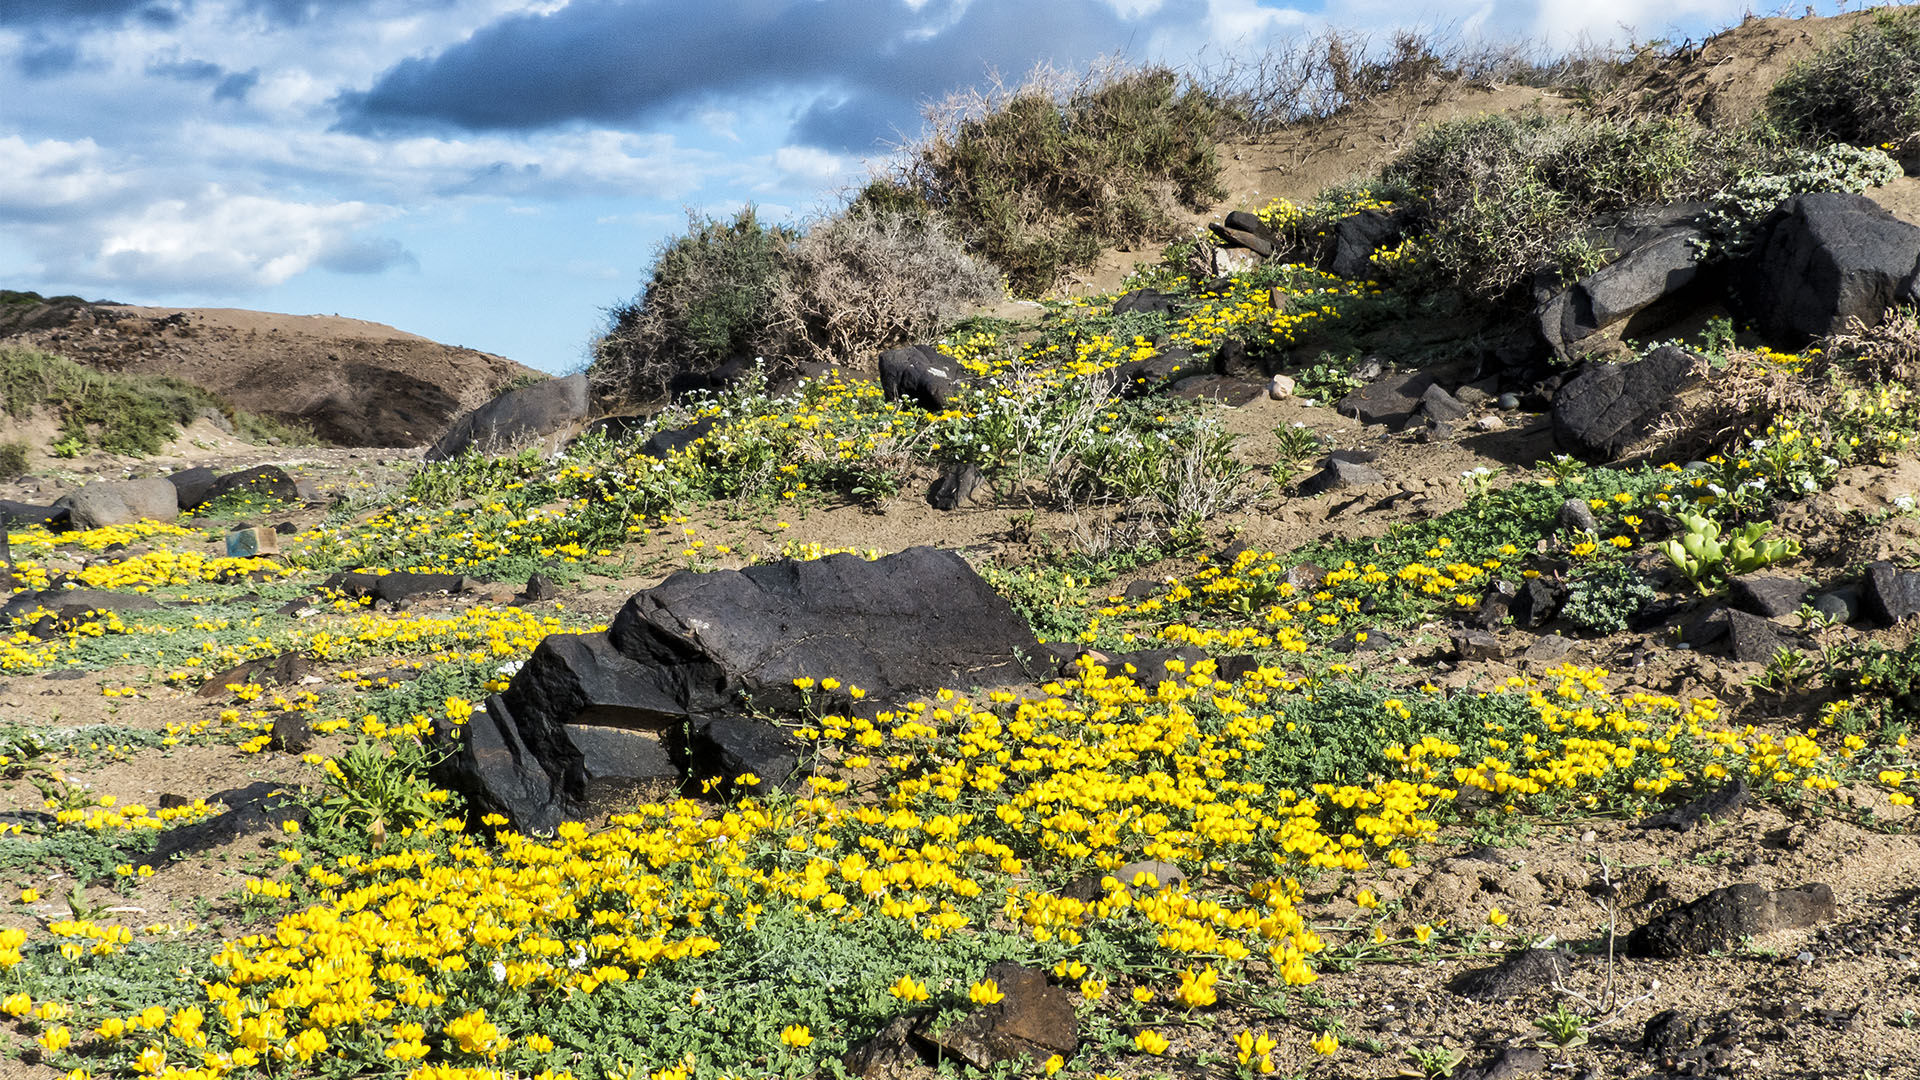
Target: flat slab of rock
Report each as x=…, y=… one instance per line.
x=1525, y=972
x=592, y=717
x=1608, y=408
x=1389, y=400
x=267, y=483
x=918, y=619
x=1720, y=919
x=1035, y=1020
x=1725, y=803
x=1767, y=597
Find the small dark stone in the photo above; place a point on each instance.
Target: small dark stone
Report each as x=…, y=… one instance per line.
x=1725, y=803
x=1525, y=972
x=1669, y=1035
x=1476, y=644
x=1839, y=606
x=285, y=669
x=1143, y=300
x=1440, y=406
x=1390, y=400
x=1514, y=1062
x=1142, y=589
x=540, y=588
x=1034, y=1020
x=1767, y=597
x=292, y=733
x=956, y=486
x=1340, y=475
x=286, y=528
x=1576, y=515
x=1508, y=402
x=891, y=1054
x=1536, y=602
x=260, y=482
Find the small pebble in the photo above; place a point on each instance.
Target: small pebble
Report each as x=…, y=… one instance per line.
x=1509, y=401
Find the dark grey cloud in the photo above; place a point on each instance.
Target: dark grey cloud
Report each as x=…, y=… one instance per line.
x=368, y=256
x=629, y=62
x=28, y=12
x=187, y=70
x=237, y=86
x=43, y=59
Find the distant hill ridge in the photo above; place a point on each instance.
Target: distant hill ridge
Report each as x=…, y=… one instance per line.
x=352, y=382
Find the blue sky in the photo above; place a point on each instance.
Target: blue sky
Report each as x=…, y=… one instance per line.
x=497, y=173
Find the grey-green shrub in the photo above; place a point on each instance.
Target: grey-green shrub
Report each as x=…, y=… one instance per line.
x=708, y=300
x=1507, y=195
x=1862, y=88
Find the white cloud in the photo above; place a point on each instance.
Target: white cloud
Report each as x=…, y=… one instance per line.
x=216, y=240
x=51, y=176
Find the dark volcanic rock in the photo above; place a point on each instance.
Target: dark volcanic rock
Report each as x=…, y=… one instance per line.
x=1149, y=301
x=1767, y=597
x=921, y=374
x=283, y=670
x=1525, y=972
x=1822, y=259
x=918, y=619
x=724, y=749
x=1657, y=263
x=1357, y=236
x=1720, y=919
x=260, y=482
x=591, y=718
x=662, y=444
x=1035, y=1020
x=1340, y=475
x=13, y=514
x=956, y=486
x=393, y=587
x=515, y=418
x=1536, y=602
x=1608, y=408
x=190, y=486
x=1390, y=400
x=1890, y=594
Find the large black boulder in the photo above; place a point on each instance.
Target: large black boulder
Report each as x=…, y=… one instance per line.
x=190, y=486
x=1608, y=408
x=516, y=418
x=1819, y=260
x=592, y=718
x=921, y=374
x=265, y=482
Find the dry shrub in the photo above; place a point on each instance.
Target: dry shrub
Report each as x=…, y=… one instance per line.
x=872, y=278
x=1317, y=76
x=1886, y=353
x=1037, y=178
